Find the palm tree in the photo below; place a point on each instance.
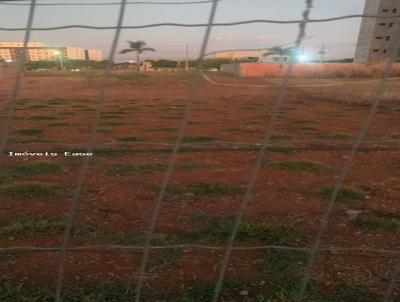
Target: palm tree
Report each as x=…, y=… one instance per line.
x=281, y=52
x=139, y=48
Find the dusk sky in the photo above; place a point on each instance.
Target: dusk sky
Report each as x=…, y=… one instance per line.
x=340, y=36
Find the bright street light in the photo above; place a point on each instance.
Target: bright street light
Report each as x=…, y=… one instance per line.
x=303, y=58
x=58, y=53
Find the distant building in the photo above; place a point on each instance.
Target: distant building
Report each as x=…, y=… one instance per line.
x=36, y=51
x=239, y=55
x=377, y=34
x=94, y=54
x=74, y=53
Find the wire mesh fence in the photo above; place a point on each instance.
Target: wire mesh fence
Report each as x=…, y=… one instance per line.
x=361, y=142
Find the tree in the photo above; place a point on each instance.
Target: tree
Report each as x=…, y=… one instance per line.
x=281, y=52
x=139, y=48
x=164, y=63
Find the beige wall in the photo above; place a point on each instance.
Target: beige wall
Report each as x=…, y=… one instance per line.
x=5, y=54
x=95, y=54
x=75, y=53
x=20, y=44
x=238, y=54
x=38, y=52
x=377, y=35
x=41, y=54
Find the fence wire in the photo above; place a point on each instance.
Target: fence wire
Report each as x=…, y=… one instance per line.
x=15, y=3
x=85, y=165
x=221, y=24
x=312, y=251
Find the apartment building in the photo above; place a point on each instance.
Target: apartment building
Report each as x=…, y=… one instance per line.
x=377, y=36
x=74, y=53
x=36, y=51
x=94, y=55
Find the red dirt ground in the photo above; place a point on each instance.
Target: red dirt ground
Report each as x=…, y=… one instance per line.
x=318, y=123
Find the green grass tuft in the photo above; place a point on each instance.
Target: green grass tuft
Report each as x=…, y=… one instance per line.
x=42, y=118
x=28, y=189
x=132, y=169
x=204, y=292
x=107, y=291
x=29, y=170
x=379, y=223
x=29, y=131
x=219, y=230
x=59, y=124
x=199, y=139
x=164, y=129
x=349, y=293
x=346, y=194
x=30, y=225
x=57, y=102
x=130, y=139
x=339, y=135
x=301, y=165
x=201, y=189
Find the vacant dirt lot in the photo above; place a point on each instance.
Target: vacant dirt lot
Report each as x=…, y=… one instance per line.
x=141, y=116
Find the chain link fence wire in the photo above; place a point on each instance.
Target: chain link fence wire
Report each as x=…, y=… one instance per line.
x=312, y=251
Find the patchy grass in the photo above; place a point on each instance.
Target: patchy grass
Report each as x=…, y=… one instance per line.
x=113, y=124
x=199, y=139
x=285, y=150
x=346, y=194
x=339, y=135
x=29, y=131
x=301, y=166
x=38, y=106
x=304, y=122
x=283, y=270
x=107, y=291
x=28, y=189
x=335, y=113
x=164, y=257
x=204, y=292
x=57, y=102
x=201, y=189
x=164, y=129
x=133, y=169
x=131, y=75
x=195, y=123
x=119, y=112
x=151, y=167
x=59, y=124
x=219, y=230
x=30, y=225
x=173, y=117
x=22, y=102
x=376, y=223
x=239, y=130
x=131, y=239
x=110, y=152
x=280, y=136
x=42, y=118
x=29, y=170
x=130, y=139
x=193, y=165
x=349, y=293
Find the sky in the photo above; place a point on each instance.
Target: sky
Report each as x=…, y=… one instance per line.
x=340, y=37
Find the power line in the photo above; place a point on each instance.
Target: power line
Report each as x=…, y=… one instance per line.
x=260, y=157
x=5, y=2
x=172, y=159
x=222, y=24
x=91, y=144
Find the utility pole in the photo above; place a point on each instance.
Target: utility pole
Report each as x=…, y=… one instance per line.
x=322, y=53
x=187, y=57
